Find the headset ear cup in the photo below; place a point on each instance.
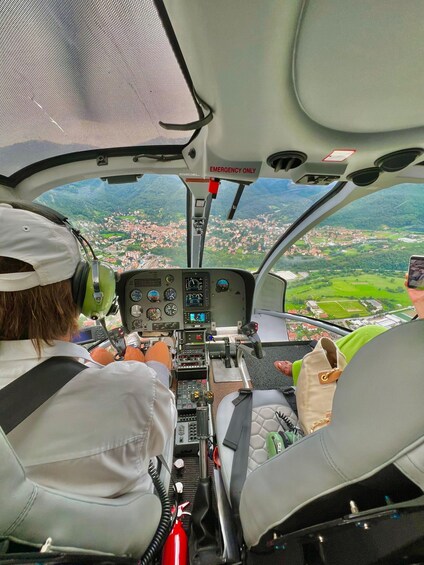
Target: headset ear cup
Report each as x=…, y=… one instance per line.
x=92, y=308
x=79, y=283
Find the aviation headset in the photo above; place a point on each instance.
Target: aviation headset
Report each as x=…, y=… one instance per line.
x=93, y=283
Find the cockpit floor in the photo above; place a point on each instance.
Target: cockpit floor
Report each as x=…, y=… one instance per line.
x=262, y=372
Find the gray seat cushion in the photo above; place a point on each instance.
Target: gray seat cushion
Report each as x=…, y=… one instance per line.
x=264, y=405
x=31, y=513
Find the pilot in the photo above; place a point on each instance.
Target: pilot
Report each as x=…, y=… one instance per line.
x=96, y=435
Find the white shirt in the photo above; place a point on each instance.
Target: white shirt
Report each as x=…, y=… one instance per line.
x=96, y=435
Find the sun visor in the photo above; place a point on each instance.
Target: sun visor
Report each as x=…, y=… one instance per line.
x=86, y=75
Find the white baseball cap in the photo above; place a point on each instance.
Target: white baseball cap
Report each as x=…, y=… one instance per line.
x=50, y=248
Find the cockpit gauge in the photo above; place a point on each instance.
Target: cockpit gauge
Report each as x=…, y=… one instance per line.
x=136, y=310
x=222, y=285
x=154, y=314
x=169, y=279
x=136, y=295
x=153, y=296
x=194, y=299
x=170, y=309
x=170, y=294
x=194, y=283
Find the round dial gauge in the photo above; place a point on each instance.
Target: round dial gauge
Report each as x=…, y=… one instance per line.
x=171, y=309
x=153, y=296
x=222, y=285
x=169, y=279
x=170, y=294
x=136, y=295
x=153, y=314
x=136, y=310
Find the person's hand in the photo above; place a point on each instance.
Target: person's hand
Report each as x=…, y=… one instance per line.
x=417, y=298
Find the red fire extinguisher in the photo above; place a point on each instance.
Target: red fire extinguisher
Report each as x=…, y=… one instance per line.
x=175, y=550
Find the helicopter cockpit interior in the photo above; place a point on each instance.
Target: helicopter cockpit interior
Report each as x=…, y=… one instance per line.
x=252, y=173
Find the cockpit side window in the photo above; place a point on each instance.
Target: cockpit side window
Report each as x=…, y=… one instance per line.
x=350, y=268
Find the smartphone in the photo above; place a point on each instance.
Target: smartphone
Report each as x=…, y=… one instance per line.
x=416, y=272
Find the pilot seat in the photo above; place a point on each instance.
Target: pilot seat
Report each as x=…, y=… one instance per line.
x=31, y=513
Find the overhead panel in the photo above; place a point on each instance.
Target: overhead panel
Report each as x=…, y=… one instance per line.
x=78, y=75
x=359, y=66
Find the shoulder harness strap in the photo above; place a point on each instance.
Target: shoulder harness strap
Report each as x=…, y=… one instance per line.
x=23, y=396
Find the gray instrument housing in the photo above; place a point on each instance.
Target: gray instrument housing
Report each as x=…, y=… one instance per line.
x=207, y=307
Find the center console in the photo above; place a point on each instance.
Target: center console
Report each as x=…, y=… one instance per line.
x=189, y=304
x=191, y=370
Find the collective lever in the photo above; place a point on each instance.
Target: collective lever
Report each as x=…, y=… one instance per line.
x=227, y=356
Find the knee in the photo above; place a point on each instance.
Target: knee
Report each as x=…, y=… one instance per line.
x=102, y=356
x=134, y=354
x=159, y=352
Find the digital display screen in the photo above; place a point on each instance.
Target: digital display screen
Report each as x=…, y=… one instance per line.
x=416, y=273
x=194, y=283
x=197, y=317
x=148, y=282
x=82, y=336
x=194, y=299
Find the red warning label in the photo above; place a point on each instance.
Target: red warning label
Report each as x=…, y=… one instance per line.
x=233, y=170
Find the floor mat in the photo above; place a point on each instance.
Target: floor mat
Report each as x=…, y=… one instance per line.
x=262, y=371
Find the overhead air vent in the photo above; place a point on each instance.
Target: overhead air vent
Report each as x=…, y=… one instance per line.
x=318, y=173
x=398, y=160
x=286, y=160
x=364, y=177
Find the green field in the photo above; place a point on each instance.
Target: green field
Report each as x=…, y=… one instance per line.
x=339, y=295
x=343, y=308
x=109, y=234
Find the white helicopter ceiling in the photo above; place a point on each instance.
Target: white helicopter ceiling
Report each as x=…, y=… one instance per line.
x=311, y=76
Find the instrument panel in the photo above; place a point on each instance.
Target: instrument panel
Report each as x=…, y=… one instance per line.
x=175, y=299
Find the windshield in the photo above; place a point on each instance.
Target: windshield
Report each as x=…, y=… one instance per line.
x=351, y=268
x=266, y=209
x=131, y=225
x=143, y=224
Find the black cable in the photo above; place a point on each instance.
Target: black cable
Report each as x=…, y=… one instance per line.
x=288, y=421
x=165, y=519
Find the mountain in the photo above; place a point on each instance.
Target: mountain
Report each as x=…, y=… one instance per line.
x=401, y=206
x=280, y=198
x=19, y=155
x=162, y=199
